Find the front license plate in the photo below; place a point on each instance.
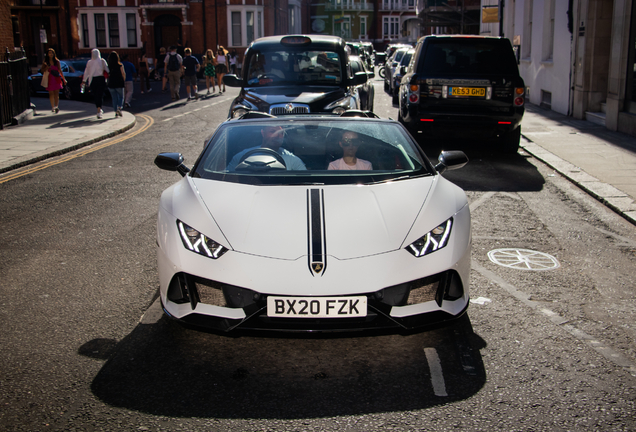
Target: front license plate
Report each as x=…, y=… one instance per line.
x=467, y=91
x=316, y=307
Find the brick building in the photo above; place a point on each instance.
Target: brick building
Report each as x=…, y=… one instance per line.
x=75, y=27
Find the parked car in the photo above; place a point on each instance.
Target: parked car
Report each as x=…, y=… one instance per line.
x=296, y=74
x=365, y=91
x=261, y=234
x=464, y=86
x=391, y=65
x=73, y=70
x=399, y=72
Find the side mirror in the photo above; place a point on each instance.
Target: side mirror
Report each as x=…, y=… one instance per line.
x=451, y=160
x=232, y=80
x=172, y=162
x=371, y=75
x=403, y=70
x=359, y=78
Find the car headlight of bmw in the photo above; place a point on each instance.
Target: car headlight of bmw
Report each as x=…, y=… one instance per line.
x=434, y=240
x=238, y=112
x=196, y=242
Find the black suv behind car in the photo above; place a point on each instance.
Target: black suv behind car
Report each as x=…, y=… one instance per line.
x=296, y=74
x=464, y=86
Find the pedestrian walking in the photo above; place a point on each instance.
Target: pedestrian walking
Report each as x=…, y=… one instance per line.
x=116, y=80
x=173, y=66
x=190, y=68
x=144, y=72
x=95, y=79
x=53, y=78
x=160, y=69
x=131, y=74
x=221, y=67
x=209, y=70
x=233, y=60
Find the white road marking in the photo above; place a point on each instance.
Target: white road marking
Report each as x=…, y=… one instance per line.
x=606, y=351
x=437, y=376
x=190, y=112
x=479, y=201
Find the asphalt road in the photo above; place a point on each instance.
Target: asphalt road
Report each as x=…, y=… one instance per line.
x=85, y=347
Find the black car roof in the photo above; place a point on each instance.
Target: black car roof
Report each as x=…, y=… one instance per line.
x=326, y=42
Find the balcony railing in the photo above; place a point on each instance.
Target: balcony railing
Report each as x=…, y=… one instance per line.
x=398, y=5
x=340, y=5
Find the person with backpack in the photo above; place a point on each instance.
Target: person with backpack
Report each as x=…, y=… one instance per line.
x=174, y=64
x=191, y=67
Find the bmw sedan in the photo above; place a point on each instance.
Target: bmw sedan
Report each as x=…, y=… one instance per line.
x=313, y=223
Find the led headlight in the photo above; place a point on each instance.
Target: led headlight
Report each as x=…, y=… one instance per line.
x=339, y=106
x=434, y=240
x=197, y=242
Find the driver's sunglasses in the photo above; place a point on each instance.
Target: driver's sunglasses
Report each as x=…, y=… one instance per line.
x=349, y=142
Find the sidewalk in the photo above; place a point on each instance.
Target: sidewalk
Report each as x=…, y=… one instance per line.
x=599, y=161
x=48, y=134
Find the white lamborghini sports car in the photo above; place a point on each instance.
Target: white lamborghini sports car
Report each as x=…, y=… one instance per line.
x=313, y=223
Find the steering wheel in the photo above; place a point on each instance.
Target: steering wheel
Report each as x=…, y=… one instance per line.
x=260, y=164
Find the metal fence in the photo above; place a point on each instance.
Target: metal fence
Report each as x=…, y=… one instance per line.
x=14, y=86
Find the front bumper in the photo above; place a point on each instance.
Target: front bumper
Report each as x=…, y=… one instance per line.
x=448, y=302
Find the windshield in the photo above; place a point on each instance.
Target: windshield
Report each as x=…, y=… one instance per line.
x=294, y=66
x=78, y=65
x=311, y=151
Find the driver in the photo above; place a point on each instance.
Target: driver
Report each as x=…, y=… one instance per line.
x=272, y=139
x=259, y=68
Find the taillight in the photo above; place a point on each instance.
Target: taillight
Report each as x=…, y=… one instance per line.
x=520, y=99
x=414, y=93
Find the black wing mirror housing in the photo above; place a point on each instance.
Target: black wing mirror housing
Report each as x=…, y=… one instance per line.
x=359, y=78
x=451, y=160
x=172, y=162
x=232, y=80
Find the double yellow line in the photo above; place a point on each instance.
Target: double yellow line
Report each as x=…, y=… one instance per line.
x=77, y=154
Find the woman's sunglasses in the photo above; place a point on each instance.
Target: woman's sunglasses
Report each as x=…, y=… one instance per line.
x=349, y=142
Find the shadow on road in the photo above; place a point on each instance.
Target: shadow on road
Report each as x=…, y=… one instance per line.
x=488, y=169
x=164, y=369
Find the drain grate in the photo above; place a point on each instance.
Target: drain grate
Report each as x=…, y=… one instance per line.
x=523, y=259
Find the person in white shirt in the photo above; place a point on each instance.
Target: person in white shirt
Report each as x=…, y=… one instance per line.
x=349, y=144
x=94, y=78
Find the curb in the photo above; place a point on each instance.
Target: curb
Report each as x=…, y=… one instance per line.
x=62, y=149
x=618, y=201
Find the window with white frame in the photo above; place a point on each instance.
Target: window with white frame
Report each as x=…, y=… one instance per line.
x=131, y=29
x=391, y=27
x=113, y=30
x=342, y=27
x=100, y=30
x=108, y=28
x=363, y=27
x=85, y=38
x=246, y=24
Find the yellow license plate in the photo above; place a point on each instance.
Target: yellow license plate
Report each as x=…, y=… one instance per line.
x=467, y=91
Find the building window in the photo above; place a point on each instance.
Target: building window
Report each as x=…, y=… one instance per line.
x=291, y=25
x=85, y=41
x=391, y=27
x=363, y=27
x=246, y=25
x=249, y=26
x=100, y=30
x=131, y=29
x=236, y=29
x=113, y=30
x=342, y=27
